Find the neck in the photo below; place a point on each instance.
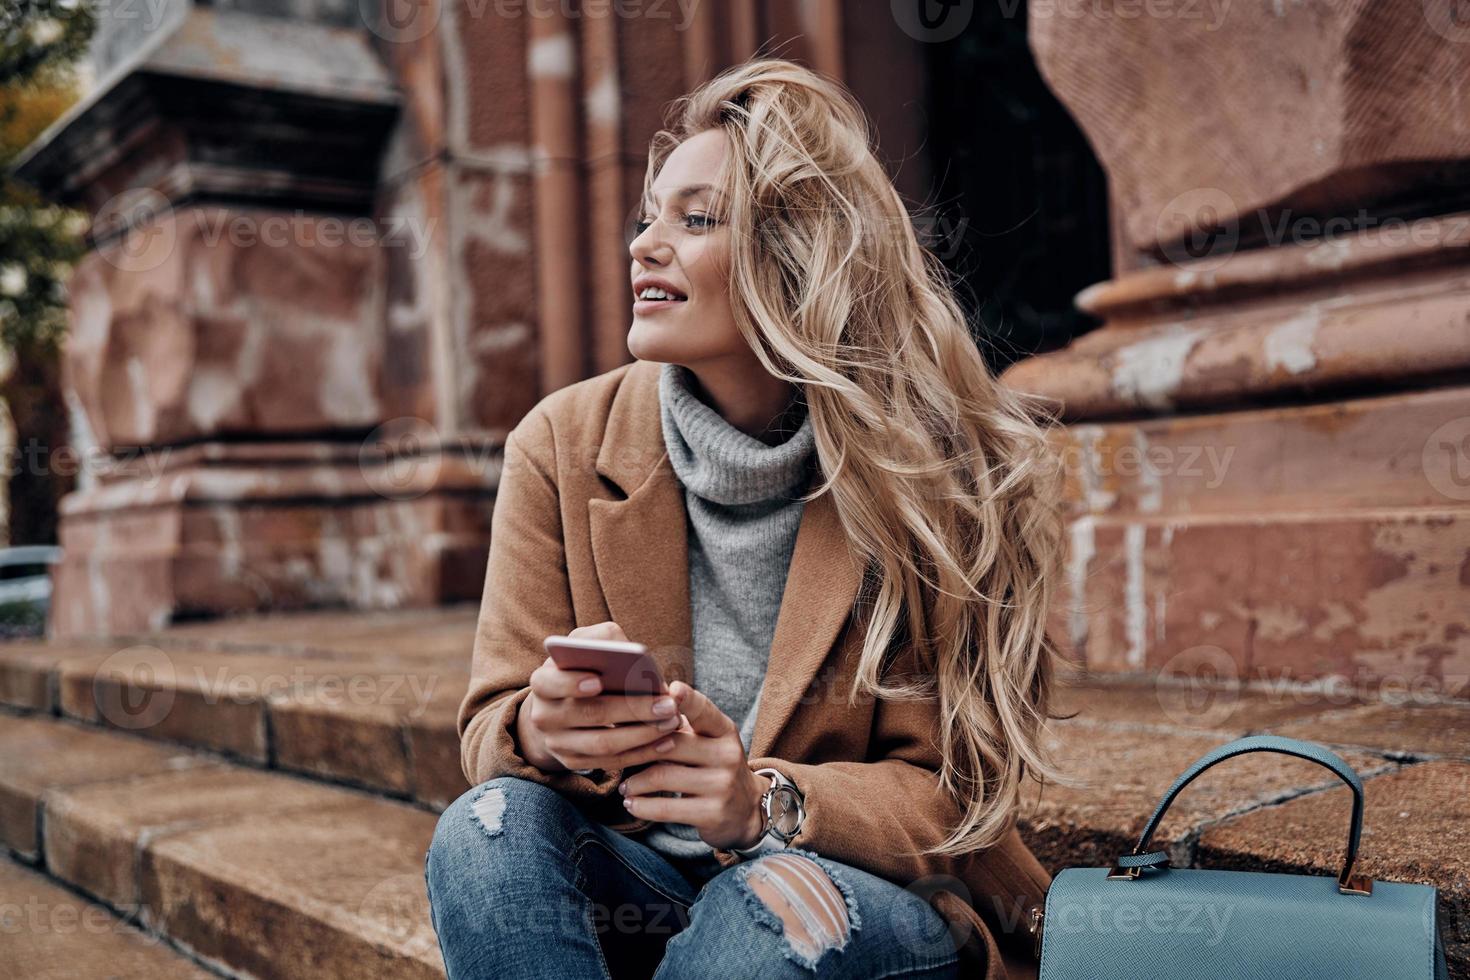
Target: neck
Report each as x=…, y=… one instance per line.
x=756, y=402
x=720, y=464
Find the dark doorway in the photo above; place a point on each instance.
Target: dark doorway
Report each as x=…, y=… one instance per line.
x=1020, y=204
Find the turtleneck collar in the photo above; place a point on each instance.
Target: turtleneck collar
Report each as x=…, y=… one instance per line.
x=716, y=461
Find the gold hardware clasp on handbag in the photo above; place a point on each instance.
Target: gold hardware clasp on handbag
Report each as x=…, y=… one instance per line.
x=1118, y=871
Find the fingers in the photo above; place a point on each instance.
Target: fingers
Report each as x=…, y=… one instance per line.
x=553, y=683
x=717, y=745
x=704, y=715
x=600, y=631
x=600, y=748
x=550, y=682
x=689, y=748
x=610, y=709
x=698, y=810
x=672, y=777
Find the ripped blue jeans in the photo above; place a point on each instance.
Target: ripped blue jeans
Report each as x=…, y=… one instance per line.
x=522, y=884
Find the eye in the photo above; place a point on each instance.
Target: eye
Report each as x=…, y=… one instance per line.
x=703, y=220
x=641, y=225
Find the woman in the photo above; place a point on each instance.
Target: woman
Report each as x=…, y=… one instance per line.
x=835, y=533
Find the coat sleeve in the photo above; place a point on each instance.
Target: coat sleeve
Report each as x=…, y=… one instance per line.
x=527, y=597
x=877, y=814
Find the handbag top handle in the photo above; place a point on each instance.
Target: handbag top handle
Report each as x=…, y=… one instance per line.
x=1131, y=865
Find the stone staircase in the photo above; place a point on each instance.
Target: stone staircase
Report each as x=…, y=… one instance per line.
x=254, y=797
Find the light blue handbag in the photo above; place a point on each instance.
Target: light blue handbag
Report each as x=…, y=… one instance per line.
x=1143, y=918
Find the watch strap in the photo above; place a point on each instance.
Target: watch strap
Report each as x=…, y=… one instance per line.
x=768, y=841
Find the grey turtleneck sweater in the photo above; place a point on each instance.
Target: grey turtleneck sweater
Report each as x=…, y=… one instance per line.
x=742, y=497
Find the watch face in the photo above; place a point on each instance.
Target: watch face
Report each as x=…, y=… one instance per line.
x=785, y=815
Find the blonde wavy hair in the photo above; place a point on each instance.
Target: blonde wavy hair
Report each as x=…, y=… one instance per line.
x=942, y=477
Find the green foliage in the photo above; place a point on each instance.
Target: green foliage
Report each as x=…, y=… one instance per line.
x=39, y=242
x=18, y=619
x=41, y=37
x=38, y=246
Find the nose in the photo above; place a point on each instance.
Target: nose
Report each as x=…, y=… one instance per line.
x=649, y=248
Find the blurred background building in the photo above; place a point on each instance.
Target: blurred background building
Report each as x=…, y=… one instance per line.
x=337, y=250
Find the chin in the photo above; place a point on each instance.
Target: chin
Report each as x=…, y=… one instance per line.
x=648, y=343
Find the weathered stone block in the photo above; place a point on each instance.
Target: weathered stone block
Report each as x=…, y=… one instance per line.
x=52, y=933
x=41, y=755
x=334, y=892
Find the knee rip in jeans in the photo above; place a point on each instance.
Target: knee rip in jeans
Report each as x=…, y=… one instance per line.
x=487, y=807
x=796, y=896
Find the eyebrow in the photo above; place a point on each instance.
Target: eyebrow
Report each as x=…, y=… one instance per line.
x=683, y=192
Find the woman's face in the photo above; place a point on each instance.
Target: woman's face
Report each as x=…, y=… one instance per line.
x=683, y=239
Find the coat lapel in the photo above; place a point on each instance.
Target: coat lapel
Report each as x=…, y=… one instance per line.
x=640, y=541
x=821, y=586
x=640, y=547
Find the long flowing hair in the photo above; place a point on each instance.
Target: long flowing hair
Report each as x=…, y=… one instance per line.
x=942, y=476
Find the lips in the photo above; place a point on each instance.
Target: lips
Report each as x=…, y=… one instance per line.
x=644, y=282
x=644, y=307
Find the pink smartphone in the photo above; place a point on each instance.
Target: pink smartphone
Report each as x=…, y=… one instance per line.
x=625, y=667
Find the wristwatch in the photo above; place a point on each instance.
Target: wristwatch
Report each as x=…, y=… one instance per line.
x=785, y=809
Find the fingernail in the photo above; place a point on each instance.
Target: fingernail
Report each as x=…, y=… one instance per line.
x=628, y=802
x=623, y=788
x=667, y=725
x=589, y=685
x=663, y=706
x=665, y=745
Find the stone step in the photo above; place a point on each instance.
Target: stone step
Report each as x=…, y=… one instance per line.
x=222, y=784
x=255, y=873
x=370, y=705
x=50, y=933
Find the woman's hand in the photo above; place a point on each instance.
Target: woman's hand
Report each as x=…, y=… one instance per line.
x=562, y=725
x=706, y=762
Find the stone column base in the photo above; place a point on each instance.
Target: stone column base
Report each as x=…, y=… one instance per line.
x=1382, y=309
x=219, y=528
x=1281, y=544
x=1268, y=464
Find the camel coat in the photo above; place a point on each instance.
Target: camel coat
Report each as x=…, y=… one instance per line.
x=589, y=526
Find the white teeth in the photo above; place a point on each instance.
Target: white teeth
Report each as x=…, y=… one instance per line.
x=654, y=292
